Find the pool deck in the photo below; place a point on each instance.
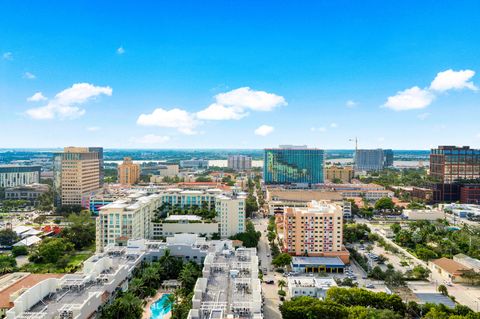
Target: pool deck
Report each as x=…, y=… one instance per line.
x=146, y=311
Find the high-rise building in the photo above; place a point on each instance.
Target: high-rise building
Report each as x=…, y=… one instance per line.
x=315, y=230
x=239, y=162
x=76, y=173
x=101, y=168
x=14, y=175
x=230, y=214
x=373, y=160
x=453, y=169
x=128, y=172
x=293, y=165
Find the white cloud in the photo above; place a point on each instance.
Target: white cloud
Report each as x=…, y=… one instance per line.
x=7, y=56
x=217, y=111
x=37, y=97
x=176, y=118
x=65, y=104
x=234, y=105
x=93, y=128
x=333, y=125
x=318, y=129
x=151, y=139
x=29, y=76
x=120, y=50
x=264, y=130
x=410, y=99
x=423, y=116
x=351, y=103
x=449, y=79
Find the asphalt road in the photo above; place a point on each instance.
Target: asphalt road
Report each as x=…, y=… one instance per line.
x=272, y=301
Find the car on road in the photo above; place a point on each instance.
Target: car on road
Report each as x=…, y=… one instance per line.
x=270, y=282
x=268, y=255
x=370, y=286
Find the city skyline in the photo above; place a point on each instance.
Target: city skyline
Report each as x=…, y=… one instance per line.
x=183, y=76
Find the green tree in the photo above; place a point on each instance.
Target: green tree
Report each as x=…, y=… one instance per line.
x=250, y=237
x=51, y=249
x=81, y=230
x=282, y=260
x=127, y=306
x=172, y=265
x=188, y=276
x=282, y=284
x=425, y=253
x=395, y=227
x=19, y=251
x=384, y=204
x=7, y=264
x=443, y=290
x=8, y=237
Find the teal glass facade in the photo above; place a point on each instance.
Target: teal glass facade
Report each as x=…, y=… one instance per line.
x=293, y=166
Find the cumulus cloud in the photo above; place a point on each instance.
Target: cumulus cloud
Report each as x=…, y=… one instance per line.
x=120, y=51
x=217, y=111
x=410, y=99
x=65, y=105
x=351, y=103
x=449, y=79
x=29, y=76
x=234, y=105
x=93, y=128
x=417, y=98
x=7, y=56
x=176, y=118
x=37, y=97
x=151, y=139
x=264, y=130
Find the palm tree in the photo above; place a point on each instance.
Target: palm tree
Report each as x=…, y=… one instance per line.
x=443, y=290
x=128, y=307
x=137, y=287
x=171, y=265
x=151, y=277
x=282, y=284
x=188, y=276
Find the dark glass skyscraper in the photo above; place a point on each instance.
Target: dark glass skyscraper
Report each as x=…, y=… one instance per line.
x=292, y=165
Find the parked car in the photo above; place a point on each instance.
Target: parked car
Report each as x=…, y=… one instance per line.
x=370, y=286
x=270, y=282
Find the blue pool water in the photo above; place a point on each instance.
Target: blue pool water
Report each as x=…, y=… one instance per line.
x=160, y=307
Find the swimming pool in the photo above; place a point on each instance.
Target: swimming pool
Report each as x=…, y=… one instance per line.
x=160, y=307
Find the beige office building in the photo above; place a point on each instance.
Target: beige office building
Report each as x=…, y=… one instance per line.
x=315, y=230
x=345, y=174
x=128, y=172
x=78, y=172
x=230, y=214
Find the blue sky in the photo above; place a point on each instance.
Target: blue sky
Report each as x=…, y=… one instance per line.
x=239, y=74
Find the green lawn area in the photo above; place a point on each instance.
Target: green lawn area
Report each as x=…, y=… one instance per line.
x=74, y=264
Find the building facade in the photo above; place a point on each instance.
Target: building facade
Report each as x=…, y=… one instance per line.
x=453, y=169
x=128, y=172
x=293, y=166
x=194, y=164
x=76, y=173
x=240, y=162
x=315, y=230
x=13, y=175
x=373, y=160
x=344, y=174
x=29, y=193
x=230, y=214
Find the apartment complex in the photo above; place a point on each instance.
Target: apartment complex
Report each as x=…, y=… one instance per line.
x=239, y=162
x=15, y=175
x=373, y=160
x=126, y=218
x=136, y=215
x=76, y=173
x=194, y=164
x=293, y=165
x=229, y=286
x=315, y=230
x=128, y=172
x=456, y=171
x=338, y=173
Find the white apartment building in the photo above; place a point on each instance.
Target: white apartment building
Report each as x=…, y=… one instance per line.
x=309, y=286
x=239, y=162
x=184, y=224
x=126, y=218
x=231, y=214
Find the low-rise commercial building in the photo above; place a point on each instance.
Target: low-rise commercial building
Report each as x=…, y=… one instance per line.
x=29, y=192
x=344, y=174
x=449, y=269
x=309, y=286
x=229, y=286
x=423, y=214
x=304, y=264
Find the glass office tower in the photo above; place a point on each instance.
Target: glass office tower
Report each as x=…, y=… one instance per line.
x=293, y=166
